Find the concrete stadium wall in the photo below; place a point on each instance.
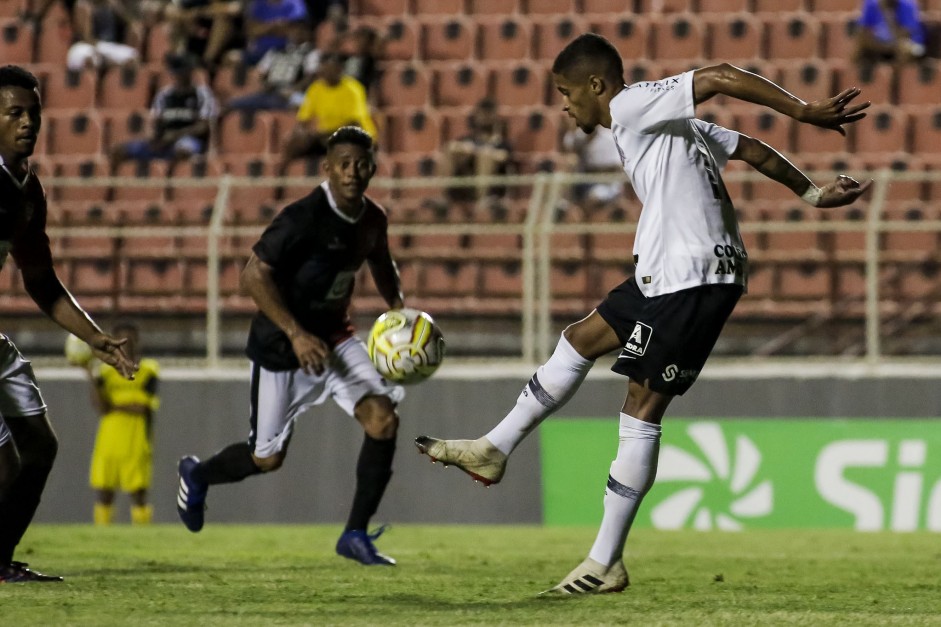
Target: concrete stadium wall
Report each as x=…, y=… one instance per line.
x=316, y=482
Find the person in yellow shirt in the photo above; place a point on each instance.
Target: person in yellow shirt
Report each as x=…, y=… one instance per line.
x=122, y=458
x=332, y=101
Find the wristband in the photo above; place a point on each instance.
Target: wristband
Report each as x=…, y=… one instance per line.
x=812, y=195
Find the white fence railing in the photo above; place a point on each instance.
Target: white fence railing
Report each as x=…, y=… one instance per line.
x=542, y=194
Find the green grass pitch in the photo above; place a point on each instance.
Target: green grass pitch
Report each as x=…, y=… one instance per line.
x=470, y=575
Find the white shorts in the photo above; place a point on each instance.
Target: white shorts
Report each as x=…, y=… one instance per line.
x=19, y=391
x=279, y=397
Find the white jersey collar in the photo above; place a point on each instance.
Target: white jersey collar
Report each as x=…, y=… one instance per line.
x=336, y=209
x=17, y=182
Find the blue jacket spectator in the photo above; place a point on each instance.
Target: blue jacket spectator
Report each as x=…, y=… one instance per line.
x=890, y=30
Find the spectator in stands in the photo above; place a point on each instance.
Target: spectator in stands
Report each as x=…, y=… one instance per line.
x=287, y=73
x=319, y=11
x=484, y=151
x=182, y=114
x=207, y=29
x=362, y=49
x=102, y=37
x=123, y=456
x=331, y=102
x=890, y=31
x=594, y=153
x=268, y=26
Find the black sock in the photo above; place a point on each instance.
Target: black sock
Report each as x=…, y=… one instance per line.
x=231, y=464
x=19, y=505
x=373, y=471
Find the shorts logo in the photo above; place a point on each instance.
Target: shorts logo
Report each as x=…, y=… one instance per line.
x=636, y=344
x=673, y=371
x=670, y=373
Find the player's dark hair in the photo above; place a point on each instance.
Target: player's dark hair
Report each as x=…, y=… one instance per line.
x=590, y=52
x=15, y=76
x=350, y=135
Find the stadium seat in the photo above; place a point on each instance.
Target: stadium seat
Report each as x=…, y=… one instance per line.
x=437, y=7
x=504, y=38
x=883, y=130
x=54, y=38
x=158, y=43
x=379, y=7
x=631, y=34
x=666, y=7
x=195, y=277
x=479, y=8
x=849, y=243
x=92, y=276
x=791, y=36
x=154, y=277
x=414, y=132
x=901, y=163
x=74, y=132
x=404, y=85
x=778, y=6
x=140, y=213
x=126, y=88
x=153, y=172
x=809, y=79
x=501, y=279
x=919, y=84
x=769, y=126
x=839, y=32
x=552, y=33
x=16, y=42
x=451, y=278
x=197, y=168
x=65, y=89
x=233, y=81
x=401, y=40
x=520, y=84
x=803, y=280
x=569, y=279
x=877, y=83
x=792, y=244
x=724, y=6
x=550, y=7
x=89, y=169
x=914, y=244
x=245, y=132
x=447, y=39
x=460, y=85
x=733, y=38
x=246, y=200
x=420, y=167
x=813, y=139
x=534, y=130
x=637, y=70
x=678, y=37
x=122, y=125
x=926, y=130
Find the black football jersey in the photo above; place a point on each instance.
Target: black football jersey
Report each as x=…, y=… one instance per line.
x=23, y=220
x=314, y=252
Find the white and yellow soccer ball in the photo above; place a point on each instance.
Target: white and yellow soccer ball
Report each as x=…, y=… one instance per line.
x=405, y=346
x=77, y=352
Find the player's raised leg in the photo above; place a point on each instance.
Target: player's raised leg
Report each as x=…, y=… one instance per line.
x=550, y=388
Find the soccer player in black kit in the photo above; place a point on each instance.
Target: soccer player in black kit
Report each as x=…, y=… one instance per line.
x=301, y=343
x=28, y=444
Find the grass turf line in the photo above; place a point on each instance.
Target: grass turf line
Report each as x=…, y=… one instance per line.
x=469, y=575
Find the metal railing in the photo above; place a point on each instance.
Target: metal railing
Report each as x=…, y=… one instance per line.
x=542, y=194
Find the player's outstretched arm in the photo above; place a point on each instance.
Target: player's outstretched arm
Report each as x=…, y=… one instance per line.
x=759, y=155
x=831, y=113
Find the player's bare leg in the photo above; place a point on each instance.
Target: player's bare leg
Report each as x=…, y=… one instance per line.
x=550, y=388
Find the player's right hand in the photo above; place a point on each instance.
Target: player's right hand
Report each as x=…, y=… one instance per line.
x=311, y=352
x=110, y=350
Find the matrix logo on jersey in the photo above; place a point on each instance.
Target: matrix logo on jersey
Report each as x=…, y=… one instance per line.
x=716, y=486
x=636, y=344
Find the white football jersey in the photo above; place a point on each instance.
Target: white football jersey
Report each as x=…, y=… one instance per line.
x=688, y=233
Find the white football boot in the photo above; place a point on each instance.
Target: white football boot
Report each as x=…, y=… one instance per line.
x=478, y=458
x=591, y=577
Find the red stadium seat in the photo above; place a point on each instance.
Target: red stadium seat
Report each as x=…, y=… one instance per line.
x=630, y=34
x=501, y=279
x=450, y=278
x=247, y=200
x=198, y=168
x=791, y=36
x=839, y=35
x=401, y=40
x=246, y=132
x=801, y=244
x=899, y=190
x=154, y=172
x=666, y=7
x=926, y=130
x=89, y=169
x=778, y=6
x=74, y=132
x=813, y=139
x=154, y=277
x=448, y=39
x=553, y=33
x=724, y=6
x=126, y=88
x=521, y=84
x=919, y=84
x=808, y=79
x=16, y=42
x=550, y=7
x=54, y=38
x=460, y=84
x=883, y=130
x=492, y=7
x=122, y=125
x=914, y=244
x=437, y=7
x=877, y=83
x=769, y=126
x=504, y=38
x=379, y=7
x=415, y=132
x=158, y=43
x=536, y=130
x=65, y=89
x=569, y=279
x=404, y=85
x=678, y=37
x=233, y=81
x=734, y=38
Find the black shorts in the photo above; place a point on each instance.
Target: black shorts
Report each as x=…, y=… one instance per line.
x=667, y=339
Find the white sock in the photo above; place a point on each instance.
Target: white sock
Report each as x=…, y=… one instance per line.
x=632, y=474
x=550, y=388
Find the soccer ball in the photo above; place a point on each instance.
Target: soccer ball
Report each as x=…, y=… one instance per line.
x=405, y=346
x=77, y=352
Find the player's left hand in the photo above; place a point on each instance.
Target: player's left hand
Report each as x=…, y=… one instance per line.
x=109, y=350
x=843, y=191
x=833, y=113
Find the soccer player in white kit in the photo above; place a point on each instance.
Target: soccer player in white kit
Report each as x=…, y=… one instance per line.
x=691, y=269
